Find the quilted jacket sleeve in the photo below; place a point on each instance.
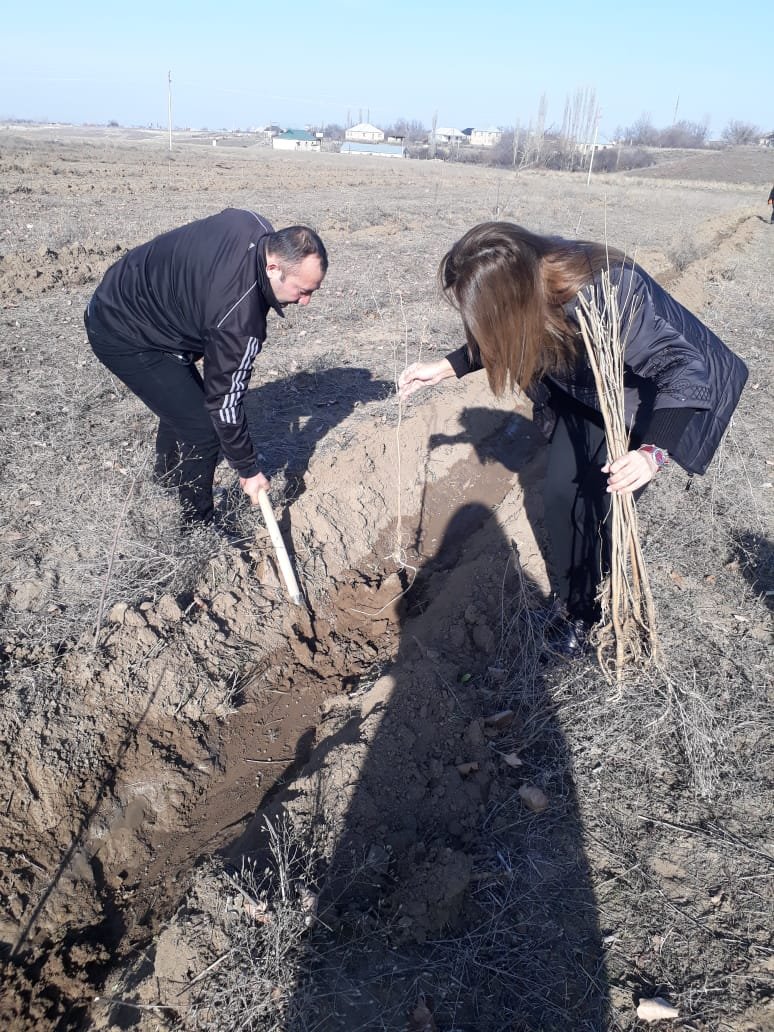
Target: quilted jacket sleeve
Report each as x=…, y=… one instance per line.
x=664, y=343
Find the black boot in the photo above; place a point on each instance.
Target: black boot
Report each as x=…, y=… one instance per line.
x=567, y=636
x=569, y=640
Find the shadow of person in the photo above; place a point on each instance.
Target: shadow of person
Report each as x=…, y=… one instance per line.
x=506, y=438
x=501, y=441
x=458, y=873
x=755, y=555
x=289, y=417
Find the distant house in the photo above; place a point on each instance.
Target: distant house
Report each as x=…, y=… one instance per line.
x=296, y=139
x=448, y=135
x=364, y=132
x=400, y=140
x=381, y=150
x=767, y=140
x=485, y=137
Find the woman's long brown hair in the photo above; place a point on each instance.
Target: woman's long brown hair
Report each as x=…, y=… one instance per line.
x=509, y=286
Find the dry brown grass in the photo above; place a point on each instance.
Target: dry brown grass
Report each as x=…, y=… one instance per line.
x=651, y=870
x=669, y=777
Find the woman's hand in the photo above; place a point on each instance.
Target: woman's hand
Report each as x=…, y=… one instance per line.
x=630, y=472
x=423, y=374
x=252, y=485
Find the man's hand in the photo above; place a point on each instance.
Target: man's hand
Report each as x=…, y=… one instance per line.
x=630, y=472
x=252, y=485
x=423, y=374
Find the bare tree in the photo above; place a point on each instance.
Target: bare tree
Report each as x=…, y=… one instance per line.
x=412, y=130
x=515, y=145
x=576, y=138
x=641, y=134
x=684, y=134
x=679, y=134
x=740, y=132
x=431, y=153
x=540, y=128
x=506, y=150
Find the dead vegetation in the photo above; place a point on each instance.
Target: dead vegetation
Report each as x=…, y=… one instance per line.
x=498, y=841
x=637, y=864
x=627, y=634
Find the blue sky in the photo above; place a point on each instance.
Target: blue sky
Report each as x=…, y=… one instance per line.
x=475, y=63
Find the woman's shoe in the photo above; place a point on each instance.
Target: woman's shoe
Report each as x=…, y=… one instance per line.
x=568, y=639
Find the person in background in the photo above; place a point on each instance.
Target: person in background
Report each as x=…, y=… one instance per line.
x=516, y=293
x=203, y=290
x=771, y=202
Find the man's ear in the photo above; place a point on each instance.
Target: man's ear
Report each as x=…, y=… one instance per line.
x=273, y=269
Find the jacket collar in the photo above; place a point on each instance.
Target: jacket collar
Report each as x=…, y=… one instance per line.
x=264, y=282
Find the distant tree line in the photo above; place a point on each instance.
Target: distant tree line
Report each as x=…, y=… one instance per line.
x=740, y=132
x=680, y=134
x=572, y=147
x=685, y=134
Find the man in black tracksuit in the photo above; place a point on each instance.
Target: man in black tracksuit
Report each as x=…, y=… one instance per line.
x=201, y=291
x=771, y=202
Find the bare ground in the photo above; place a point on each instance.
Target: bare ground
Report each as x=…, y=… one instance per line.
x=162, y=701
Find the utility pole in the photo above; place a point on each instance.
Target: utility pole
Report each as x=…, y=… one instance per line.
x=677, y=105
x=169, y=105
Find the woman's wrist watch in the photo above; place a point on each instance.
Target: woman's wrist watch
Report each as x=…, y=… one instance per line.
x=660, y=456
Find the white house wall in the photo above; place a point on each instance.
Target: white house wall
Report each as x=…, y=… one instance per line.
x=295, y=144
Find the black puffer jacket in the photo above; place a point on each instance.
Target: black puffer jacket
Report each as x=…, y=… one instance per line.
x=677, y=372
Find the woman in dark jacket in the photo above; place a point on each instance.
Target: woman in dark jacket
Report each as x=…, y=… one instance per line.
x=517, y=294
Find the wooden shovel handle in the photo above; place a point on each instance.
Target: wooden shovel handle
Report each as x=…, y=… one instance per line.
x=279, y=547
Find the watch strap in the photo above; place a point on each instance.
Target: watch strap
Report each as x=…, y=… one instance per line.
x=659, y=455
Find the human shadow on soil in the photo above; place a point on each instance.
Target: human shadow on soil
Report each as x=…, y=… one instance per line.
x=755, y=555
x=508, y=442
x=504, y=443
x=289, y=417
x=444, y=884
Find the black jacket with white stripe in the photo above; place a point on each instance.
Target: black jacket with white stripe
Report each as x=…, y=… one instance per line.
x=201, y=289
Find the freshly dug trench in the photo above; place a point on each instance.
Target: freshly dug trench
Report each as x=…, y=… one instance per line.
x=226, y=699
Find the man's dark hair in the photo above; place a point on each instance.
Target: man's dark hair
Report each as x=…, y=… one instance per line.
x=294, y=243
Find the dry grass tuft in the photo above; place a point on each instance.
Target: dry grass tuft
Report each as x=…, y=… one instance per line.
x=267, y=918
